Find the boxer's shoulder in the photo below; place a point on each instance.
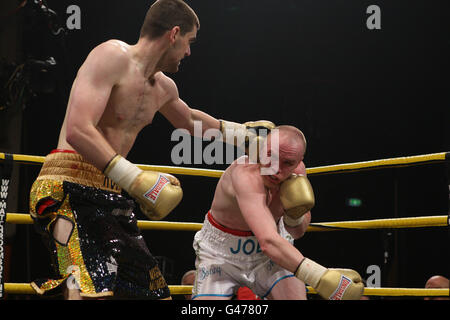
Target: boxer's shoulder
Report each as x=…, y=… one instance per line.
x=108, y=58
x=245, y=173
x=112, y=49
x=167, y=84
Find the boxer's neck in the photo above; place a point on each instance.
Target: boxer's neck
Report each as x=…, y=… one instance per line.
x=147, y=54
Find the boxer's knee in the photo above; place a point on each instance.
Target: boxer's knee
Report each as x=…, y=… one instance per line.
x=62, y=230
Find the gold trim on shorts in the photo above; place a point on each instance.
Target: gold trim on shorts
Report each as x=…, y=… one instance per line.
x=64, y=166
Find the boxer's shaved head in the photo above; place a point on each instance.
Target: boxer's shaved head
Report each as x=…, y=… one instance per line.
x=292, y=142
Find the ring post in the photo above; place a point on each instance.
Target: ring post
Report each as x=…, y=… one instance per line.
x=5, y=176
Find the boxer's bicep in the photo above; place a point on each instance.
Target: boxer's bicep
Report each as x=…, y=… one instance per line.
x=252, y=200
x=180, y=115
x=101, y=71
x=257, y=216
x=93, y=85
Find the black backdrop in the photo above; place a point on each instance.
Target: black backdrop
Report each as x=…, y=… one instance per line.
x=357, y=94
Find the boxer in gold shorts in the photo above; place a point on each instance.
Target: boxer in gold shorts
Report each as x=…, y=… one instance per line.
x=76, y=201
x=91, y=230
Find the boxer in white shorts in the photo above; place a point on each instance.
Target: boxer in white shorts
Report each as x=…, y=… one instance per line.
x=229, y=259
x=247, y=237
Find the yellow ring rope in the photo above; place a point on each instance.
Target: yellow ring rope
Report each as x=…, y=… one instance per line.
x=390, y=162
x=166, y=225
x=355, y=166
x=26, y=288
x=414, y=222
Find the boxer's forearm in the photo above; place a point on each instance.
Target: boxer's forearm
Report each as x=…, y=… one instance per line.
x=281, y=252
x=91, y=145
x=208, y=121
x=181, y=116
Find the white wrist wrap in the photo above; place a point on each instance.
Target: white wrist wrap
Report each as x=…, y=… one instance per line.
x=232, y=126
x=123, y=172
x=291, y=222
x=233, y=132
x=310, y=272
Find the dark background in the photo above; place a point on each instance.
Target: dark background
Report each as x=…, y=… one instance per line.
x=357, y=94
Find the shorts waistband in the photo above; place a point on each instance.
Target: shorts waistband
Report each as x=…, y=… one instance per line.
x=68, y=165
x=62, y=151
x=217, y=225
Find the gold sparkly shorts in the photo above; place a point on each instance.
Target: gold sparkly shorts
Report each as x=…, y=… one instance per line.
x=105, y=254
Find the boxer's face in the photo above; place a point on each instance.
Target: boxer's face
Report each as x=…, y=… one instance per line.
x=180, y=48
x=283, y=160
x=286, y=165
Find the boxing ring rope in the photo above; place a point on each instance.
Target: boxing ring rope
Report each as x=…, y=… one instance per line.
x=413, y=222
x=26, y=288
x=339, y=168
x=390, y=223
x=382, y=163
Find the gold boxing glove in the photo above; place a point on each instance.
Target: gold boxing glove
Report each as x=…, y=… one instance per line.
x=248, y=135
x=331, y=284
x=297, y=198
x=157, y=193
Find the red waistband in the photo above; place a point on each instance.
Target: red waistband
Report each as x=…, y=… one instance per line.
x=239, y=233
x=63, y=151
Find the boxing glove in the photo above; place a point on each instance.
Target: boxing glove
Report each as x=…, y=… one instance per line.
x=157, y=193
x=331, y=284
x=297, y=198
x=248, y=135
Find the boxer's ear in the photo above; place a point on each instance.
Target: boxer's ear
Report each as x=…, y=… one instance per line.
x=173, y=34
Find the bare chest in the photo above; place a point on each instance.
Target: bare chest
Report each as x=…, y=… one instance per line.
x=134, y=102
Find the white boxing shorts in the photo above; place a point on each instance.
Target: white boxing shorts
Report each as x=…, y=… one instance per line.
x=228, y=259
